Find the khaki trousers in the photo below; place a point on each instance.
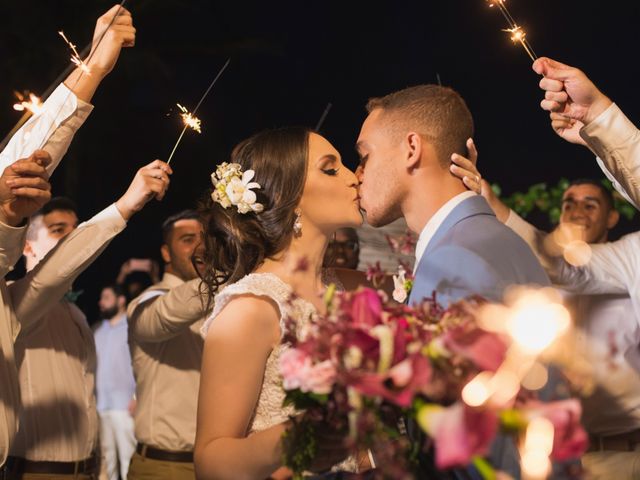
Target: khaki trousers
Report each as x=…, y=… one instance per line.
x=610, y=465
x=52, y=476
x=142, y=468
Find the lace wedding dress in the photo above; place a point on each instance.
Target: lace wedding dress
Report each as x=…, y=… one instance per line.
x=269, y=410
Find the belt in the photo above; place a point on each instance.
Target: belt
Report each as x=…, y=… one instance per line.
x=16, y=466
x=153, y=453
x=624, y=442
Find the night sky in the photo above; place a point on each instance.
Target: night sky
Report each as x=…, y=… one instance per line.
x=288, y=60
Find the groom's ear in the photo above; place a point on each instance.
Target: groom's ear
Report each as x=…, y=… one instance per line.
x=414, y=146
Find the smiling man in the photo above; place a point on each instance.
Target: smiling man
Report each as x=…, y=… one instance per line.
x=166, y=348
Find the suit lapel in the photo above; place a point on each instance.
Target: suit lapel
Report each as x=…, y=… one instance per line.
x=469, y=207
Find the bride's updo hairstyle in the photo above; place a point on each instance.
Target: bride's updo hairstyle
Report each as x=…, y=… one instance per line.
x=238, y=243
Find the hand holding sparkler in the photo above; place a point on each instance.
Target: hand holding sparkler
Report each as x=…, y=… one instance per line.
x=151, y=181
x=569, y=92
x=114, y=31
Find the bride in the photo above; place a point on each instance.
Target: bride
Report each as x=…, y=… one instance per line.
x=272, y=212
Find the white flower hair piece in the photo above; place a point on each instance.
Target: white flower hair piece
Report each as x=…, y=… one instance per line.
x=233, y=187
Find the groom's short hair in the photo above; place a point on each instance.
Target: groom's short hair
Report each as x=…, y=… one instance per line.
x=439, y=114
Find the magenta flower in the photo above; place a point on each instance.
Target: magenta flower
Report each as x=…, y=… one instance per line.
x=365, y=308
x=459, y=432
x=399, y=385
x=487, y=350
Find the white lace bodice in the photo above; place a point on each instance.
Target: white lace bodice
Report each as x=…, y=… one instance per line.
x=269, y=409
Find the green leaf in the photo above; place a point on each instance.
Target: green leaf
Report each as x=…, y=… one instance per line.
x=484, y=467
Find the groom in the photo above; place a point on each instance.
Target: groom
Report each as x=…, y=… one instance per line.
x=405, y=149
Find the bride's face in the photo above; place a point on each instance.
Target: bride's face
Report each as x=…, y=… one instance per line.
x=330, y=198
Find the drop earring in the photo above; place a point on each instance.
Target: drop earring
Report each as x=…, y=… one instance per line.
x=297, y=223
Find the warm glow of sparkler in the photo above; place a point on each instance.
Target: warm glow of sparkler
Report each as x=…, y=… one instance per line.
x=189, y=120
x=478, y=390
x=75, y=57
x=499, y=388
x=537, y=321
x=34, y=105
x=537, y=447
x=534, y=375
x=517, y=33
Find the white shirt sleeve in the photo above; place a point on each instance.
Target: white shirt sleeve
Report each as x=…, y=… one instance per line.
x=611, y=269
x=52, y=129
x=616, y=142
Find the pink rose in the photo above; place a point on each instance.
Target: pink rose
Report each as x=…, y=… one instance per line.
x=320, y=378
x=294, y=367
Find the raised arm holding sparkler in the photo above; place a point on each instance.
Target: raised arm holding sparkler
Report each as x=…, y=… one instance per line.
x=54, y=124
x=114, y=31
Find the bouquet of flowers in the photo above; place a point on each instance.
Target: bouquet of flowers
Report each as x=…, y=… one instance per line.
x=368, y=365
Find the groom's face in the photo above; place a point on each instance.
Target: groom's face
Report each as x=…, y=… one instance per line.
x=380, y=150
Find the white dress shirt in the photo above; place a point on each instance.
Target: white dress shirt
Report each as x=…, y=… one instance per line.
x=11, y=242
x=55, y=350
x=604, y=296
x=616, y=142
x=52, y=130
x=434, y=223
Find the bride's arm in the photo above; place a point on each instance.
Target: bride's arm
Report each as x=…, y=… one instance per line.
x=236, y=349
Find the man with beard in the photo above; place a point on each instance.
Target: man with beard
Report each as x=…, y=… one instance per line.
x=115, y=385
x=166, y=347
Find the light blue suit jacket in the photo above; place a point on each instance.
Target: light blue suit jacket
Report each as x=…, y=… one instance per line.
x=473, y=253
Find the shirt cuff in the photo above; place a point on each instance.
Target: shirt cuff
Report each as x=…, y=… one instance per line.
x=611, y=128
x=110, y=217
x=11, y=245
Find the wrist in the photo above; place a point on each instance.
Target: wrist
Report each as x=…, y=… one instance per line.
x=597, y=107
x=126, y=210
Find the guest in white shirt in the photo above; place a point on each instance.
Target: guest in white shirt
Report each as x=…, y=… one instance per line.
x=166, y=347
x=17, y=203
x=51, y=131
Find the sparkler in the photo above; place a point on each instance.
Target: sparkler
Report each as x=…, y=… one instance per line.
x=33, y=105
x=189, y=119
x=518, y=35
x=75, y=57
x=323, y=117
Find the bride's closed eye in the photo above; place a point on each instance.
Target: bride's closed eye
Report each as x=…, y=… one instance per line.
x=330, y=171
